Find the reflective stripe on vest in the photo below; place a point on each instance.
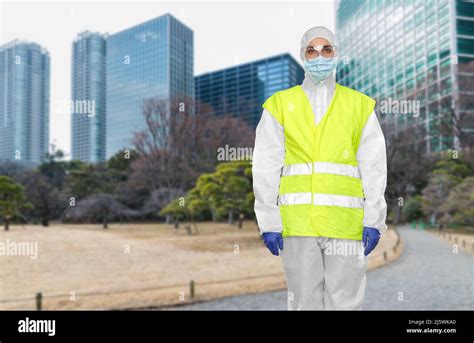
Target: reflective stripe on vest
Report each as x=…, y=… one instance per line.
x=321, y=168
x=320, y=200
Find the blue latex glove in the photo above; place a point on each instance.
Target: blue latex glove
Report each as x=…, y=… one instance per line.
x=273, y=241
x=370, y=238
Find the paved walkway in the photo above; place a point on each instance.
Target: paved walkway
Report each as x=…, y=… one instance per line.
x=427, y=276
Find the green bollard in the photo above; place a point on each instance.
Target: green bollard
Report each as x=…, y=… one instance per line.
x=422, y=225
x=39, y=298
x=191, y=288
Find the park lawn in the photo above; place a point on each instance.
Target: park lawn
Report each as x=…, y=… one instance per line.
x=137, y=265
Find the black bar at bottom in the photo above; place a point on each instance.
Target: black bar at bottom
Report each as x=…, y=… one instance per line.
x=446, y=326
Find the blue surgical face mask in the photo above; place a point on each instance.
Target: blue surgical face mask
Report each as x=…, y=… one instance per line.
x=320, y=68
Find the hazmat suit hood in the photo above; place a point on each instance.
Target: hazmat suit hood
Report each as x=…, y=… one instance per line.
x=308, y=36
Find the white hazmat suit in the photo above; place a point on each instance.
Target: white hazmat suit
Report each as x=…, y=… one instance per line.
x=318, y=275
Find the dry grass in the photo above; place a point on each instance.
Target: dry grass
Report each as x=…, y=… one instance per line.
x=137, y=265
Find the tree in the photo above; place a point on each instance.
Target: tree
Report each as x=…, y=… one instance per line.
x=186, y=208
x=436, y=193
x=177, y=145
x=228, y=190
x=412, y=209
x=55, y=168
x=446, y=174
x=452, y=167
x=157, y=200
x=44, y=196
x=459, y=206
x=405, y=178
x=100, y=207
x=119, y=164
x=197, y=207
x=12, y=200
x=225, y=192
x=132, y=193
x=457, y=120
x=176, y=209
x=90, y=179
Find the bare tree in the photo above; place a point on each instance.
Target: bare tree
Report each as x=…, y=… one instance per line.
x=45, y=197
x=178, y=145
x=407, y=167
x=99, y=207
x=458, y=120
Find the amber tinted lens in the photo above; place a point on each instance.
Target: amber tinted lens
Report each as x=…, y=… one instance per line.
x=311, y=53
x=327, y=52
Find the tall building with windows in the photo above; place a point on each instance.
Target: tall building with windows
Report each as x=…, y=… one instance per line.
x=24, y=102
x=241, y=90
x=88, y=120
x=151, y=60
x=411, y=50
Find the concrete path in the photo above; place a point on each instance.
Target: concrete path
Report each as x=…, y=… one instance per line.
x=428, y=276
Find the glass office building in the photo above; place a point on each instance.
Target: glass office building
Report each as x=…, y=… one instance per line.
x=411, y=50
x=24, y=102
x=241, y=90
x=88, y=120
x=151, y=60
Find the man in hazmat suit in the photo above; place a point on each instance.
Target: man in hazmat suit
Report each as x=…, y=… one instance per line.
x=319, y=177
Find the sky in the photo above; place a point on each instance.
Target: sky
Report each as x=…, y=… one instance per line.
x=226, y=33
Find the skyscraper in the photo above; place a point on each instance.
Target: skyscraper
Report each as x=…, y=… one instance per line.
x=88, y=97
x=411, y=50
x=151, y=60
x=24, y=102
x=241, y=90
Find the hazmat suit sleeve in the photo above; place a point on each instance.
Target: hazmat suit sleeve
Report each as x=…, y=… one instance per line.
x=267, y=163
x=372, y=160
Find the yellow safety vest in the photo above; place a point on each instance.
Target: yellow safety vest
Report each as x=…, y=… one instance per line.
x=320, y=190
